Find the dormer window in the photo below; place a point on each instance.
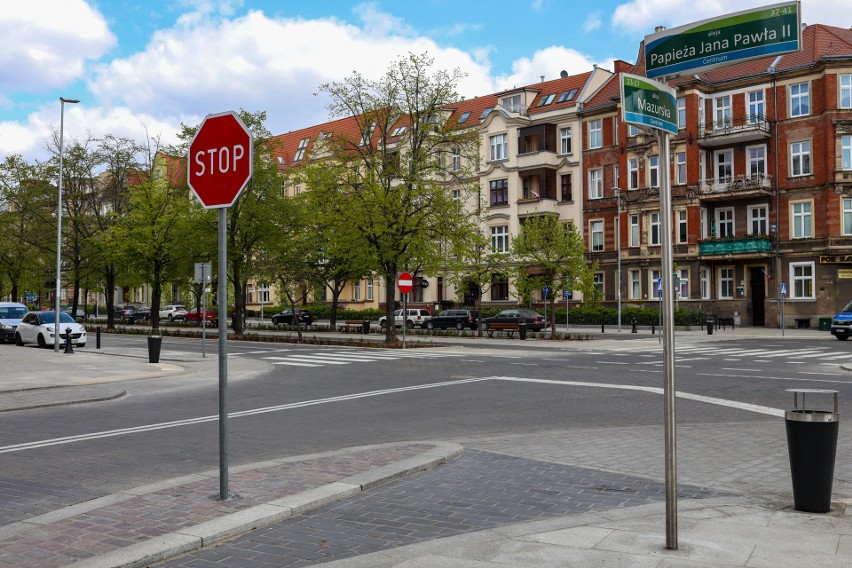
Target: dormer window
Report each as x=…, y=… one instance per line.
x=300, y=151
x=281, y=161
x=399, y=131
x=567, y=96
x=485, y=113
x=324, y=135
x=546, y=100
x=463, y=118
x=367, y=137
x=512, y=104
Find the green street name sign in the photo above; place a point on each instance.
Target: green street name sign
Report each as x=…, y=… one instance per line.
x=648, y=103
x=708, y=44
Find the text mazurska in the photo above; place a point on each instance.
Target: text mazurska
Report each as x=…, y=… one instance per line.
x=654, y=108
x=710, y=47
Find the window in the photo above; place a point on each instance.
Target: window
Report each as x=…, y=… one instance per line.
x=597, y=232
x=683, y=284
x=300, y=151
x=632, y=131
x=567, y=187
x=565, y=140
x=566, y=96
x=263, y=293
x=499, y=287
x=722, y=106
x=370, y=290
x=499, y=192
x=726, y=283
x=512, y=104
x=634, y=230
x=847, y=216
x=635, y=292
x=463, y=118
x=654, y=171
x=680, y=167
x=456, y=160
x=546, y=100
x=656, y=293
x=724, y=165
x=367, y=135
x=485, y=113
x=499, y=148
x=654, y=223
x=802, y=280
x=846, y=91
x=596, y=184
x=704, y=225
x=682, y=232
x=725, y=222
x=356, y=291
x=595, y=134
x=632, y=173
x=616, y=175
x=799, y=99
x=846, y=152
x=500, y=239
x=705, y=283
x=801, y=212
x=756, y=156
x=399, y=131
x=800, y=154
x=756, y=109
x=681, y=113
x=757, y=219
x=599, y=282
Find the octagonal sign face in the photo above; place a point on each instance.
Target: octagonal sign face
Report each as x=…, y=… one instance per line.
x=220, y=160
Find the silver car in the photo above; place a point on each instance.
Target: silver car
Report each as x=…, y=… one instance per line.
x=173, y=312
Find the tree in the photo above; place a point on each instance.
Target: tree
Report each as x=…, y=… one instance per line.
x=550, y=253
x=396, y=191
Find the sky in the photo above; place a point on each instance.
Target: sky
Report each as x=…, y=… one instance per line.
x=142, y=68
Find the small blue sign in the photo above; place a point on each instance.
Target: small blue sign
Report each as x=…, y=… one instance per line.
x=783, y=289
x=31, y=297
x=568, y=294
x=546, y=290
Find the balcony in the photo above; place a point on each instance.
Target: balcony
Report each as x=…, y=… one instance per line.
x=733, y=131
x=758, y=185
x=750, y=244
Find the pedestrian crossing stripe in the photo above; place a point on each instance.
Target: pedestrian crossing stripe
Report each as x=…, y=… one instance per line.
x=818, y=353
x=318, y=359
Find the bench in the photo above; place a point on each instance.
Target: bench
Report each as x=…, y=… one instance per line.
x=724, y=323
x=349, y=324
x=508, y=328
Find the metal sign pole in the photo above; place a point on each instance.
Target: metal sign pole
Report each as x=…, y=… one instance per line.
x=203, y=312
x=668, y=347
x=404, y=317
x=223, y=354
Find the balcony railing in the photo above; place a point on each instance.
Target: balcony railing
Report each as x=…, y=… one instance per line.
x=735, y=245
x=729, y=130
x=758, y=183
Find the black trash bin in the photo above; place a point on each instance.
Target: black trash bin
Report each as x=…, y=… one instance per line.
x=522, y=329
x=710, y=324
x=365, y=327
x=155, y=342
x=812, y=444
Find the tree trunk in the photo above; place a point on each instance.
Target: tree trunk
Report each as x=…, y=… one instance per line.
x=390, y=296
x=108, y=295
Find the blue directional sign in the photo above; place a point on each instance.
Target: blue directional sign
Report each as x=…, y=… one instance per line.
x=546, y=290
x=783, y=289
x=568, y=294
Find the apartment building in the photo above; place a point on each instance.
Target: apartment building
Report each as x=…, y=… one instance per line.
x=761, y=177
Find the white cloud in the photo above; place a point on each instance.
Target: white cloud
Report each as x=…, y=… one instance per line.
x=548, y=62
x=593, y=22
x=47, y=43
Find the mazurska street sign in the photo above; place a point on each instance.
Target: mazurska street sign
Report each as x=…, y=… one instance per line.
x=733, y=38
x=648, y=103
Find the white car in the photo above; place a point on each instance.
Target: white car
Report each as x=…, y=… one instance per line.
x=173, y=312
x=37, y=327
x=417, y=317
x=11, y=314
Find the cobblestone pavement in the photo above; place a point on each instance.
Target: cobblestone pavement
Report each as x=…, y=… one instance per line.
x=479, y=490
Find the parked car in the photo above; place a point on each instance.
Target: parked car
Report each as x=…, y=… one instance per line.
x=841, y=324
x=136, y=314
x=534, y=320
x=37, y=327
x=173, y=312
x=80, y=313
x=120, y=311
x=416, y=317
x=11, y=314
x=458, y=319
x=285, y=317
x=196, y=316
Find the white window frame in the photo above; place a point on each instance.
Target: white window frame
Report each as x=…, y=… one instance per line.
x=565, y=140
x=500, y=239
x=682, y=223
x=802, y=281
x=634, y=230
x=635, y=291
x=683, y=284
x=300, y=150
x=704, y=223
x=801, y=220
x=846, y=152
x=680, y=168
x=655, y=276
x=596, y=133
x=263, y=293
x=356, y=290
x=596, y=183
x=705, y=284
x=512, y=104
x=370, y=290
x=455, y=163
x=723, y=169
x=653, y=171
x=758, y=219
x=632, y=131
x=654, y=229
x=681, y=113
x=722, y=219
x=844, y=98
x=722, y=112
x=756, y=160
x=846, y=215
x=725, y=286
x=499, y=147
x=596, y=235
x=599, y=282
x=800, y=102
x=800, y=158
x=756, y=101
x=632, y=174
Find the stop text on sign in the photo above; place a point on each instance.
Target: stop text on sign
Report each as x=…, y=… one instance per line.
x=222, y=159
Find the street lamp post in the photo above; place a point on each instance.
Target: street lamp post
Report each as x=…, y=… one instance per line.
x=618, y=248
x=62, y=102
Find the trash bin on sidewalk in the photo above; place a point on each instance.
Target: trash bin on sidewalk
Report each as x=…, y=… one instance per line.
x=812, y=444
x=710, y=324
x=155, y=342
x=825, y=324
x=365, y=327
x=522, y=329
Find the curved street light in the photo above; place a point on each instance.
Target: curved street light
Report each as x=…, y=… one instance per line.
x=56, y=330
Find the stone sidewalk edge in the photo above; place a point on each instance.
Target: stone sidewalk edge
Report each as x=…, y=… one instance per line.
x=229, y=526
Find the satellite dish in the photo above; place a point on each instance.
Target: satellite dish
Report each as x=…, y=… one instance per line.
x=563, y=74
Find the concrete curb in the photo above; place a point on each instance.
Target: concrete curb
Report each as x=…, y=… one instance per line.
x=194, y=538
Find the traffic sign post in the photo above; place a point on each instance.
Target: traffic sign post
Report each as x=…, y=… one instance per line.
x=405, y=283
x=221, y=156
x=783, y=295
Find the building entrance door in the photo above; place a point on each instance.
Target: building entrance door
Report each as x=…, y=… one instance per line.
x=757, y=283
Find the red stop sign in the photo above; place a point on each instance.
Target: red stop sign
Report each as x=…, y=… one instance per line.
x=220, y=160
x=405, y=282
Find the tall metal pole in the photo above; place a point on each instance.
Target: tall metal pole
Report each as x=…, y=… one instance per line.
x=56, y=330
x=203, y=311
x=668, y=346
x=618, y=248
x=223, y=354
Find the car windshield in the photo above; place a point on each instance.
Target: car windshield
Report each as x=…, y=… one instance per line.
x=50, y=317
x=13, y=313
x=848, y=307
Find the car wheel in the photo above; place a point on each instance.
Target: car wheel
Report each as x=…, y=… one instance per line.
x=41, y=342
x=430, y=325
x=384, y=324
x=409, y=324
x=171, y=318
x=842, y=337
x=459, y=325
x=18, y=341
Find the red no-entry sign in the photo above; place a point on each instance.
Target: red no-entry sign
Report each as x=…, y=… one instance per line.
x=405, y=282
x=220, y=160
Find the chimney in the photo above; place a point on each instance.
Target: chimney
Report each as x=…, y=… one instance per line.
x=542, y=78
x=659, y=29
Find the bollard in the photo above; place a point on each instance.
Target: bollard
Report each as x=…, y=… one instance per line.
x=653, y=326
x=98, y=337
x=709, y=326
x=602, y=327
x=634, y=326
x=68, y=348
